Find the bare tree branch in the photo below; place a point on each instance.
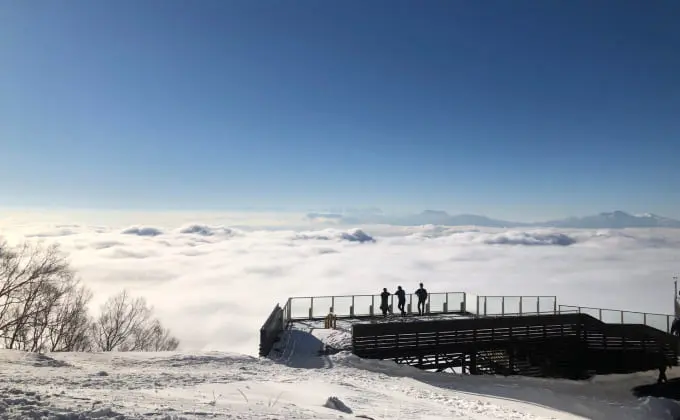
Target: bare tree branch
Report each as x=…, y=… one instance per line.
x=125, y=324
x=43, y=307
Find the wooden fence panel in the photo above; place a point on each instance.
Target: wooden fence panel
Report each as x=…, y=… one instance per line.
x=270, y=331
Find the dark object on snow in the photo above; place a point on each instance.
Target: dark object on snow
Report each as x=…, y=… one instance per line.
x=662, y=364
x=384, y=305
x=662, y=375
x=336, y=404
x=327, y=350
x=422, y=298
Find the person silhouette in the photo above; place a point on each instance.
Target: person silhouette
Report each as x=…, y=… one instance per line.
x=401, y=296
x=675, y=326
x=384, y=305
x=422, y=298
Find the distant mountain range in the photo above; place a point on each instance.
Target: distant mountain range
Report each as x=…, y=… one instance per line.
x=615, y=220
x=610, y=220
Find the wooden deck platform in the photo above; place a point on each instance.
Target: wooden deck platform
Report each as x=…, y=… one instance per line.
x=510, y=335
x=553, y=345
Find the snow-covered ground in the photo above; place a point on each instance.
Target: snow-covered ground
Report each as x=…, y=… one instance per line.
x=602, y=397
x=222, y=385
x=296, y=384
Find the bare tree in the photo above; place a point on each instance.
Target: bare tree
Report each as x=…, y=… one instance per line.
x=35, y=328
x=70, y=329
x=119, y=318
x=161, y=338
x=43, y=307
x=33, y=280
x=153, y=337
x=125, y=324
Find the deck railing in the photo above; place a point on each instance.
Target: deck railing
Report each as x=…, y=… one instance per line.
x=355, y=306
x=661, y=322
x=515, y=305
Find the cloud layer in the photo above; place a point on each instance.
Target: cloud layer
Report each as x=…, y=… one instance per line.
x=213, y=282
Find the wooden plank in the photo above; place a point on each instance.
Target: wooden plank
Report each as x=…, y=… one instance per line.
x=467, y=324
x=432, y=350
x=461, y=336
x=554, y=329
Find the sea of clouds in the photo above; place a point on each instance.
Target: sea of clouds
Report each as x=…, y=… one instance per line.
x=214, y=278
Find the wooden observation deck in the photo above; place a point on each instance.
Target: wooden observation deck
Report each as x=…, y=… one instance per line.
x=508, y=335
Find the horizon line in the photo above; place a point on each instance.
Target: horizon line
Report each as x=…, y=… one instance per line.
x=354, y=211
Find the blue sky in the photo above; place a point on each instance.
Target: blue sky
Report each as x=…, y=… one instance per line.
x=515, y=109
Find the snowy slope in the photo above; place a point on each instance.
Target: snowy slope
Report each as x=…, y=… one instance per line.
x=295, y=386
x=222, y=385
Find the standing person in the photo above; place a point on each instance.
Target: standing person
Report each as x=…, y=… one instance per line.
x=401, y=295
x=662, y=364
x=675, y=327
x=384, y=306
x=422, y=298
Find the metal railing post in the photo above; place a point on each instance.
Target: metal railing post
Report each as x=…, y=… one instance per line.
x=464, y=308
x=555, y=304
x=311, y=308
x=446, y=304
x=520, y=304
x=351, y=308
x=503, y=305
x=621, y=317
x=644, y=318
x=600, y=315
x=332, y=304
x=538, y=305
x=484, y=305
